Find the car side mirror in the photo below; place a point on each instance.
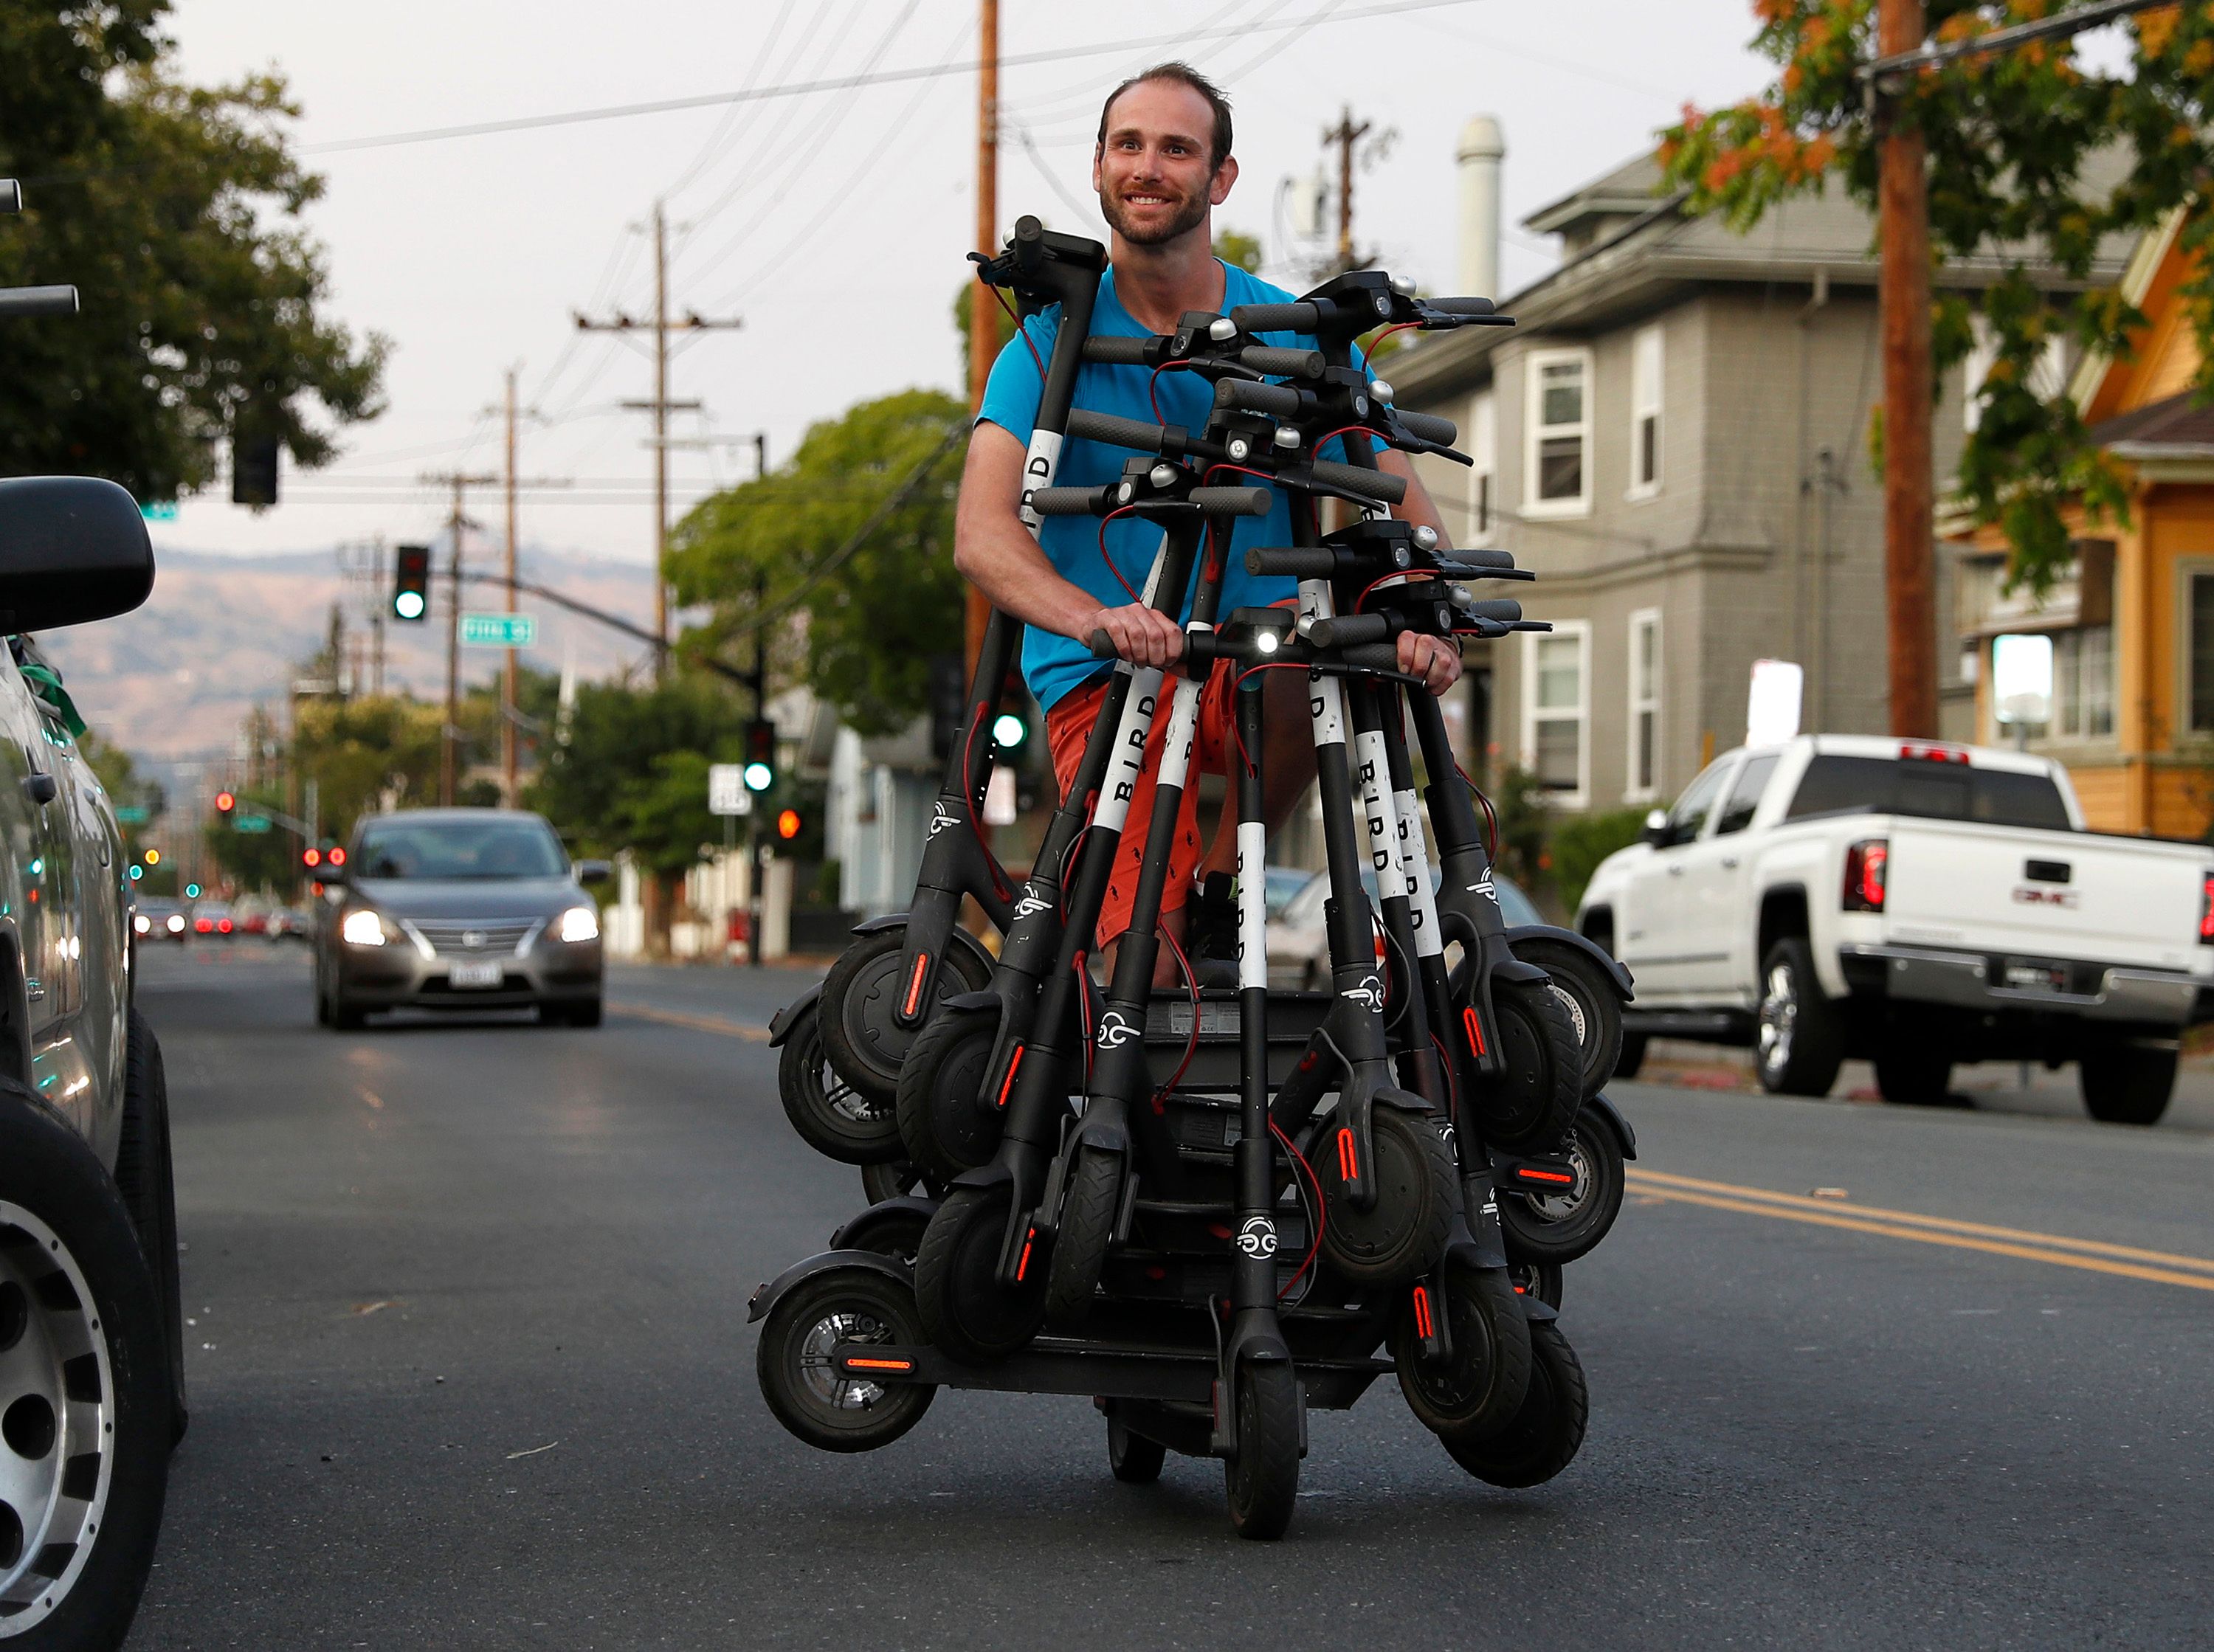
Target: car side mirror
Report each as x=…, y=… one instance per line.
x=595, y=871
x=1656, y=829
x=73, y=549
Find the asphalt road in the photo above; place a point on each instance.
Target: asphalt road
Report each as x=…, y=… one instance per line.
x=470, y=1370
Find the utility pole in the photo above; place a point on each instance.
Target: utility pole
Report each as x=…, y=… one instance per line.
x=1345, y=135
x=754, y=863
x=507, y=790
x=984, y=308
x=379, y=594
x=449, y=738
x=661, y=406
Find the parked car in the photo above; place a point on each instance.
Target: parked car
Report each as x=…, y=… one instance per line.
x=1299, y=941
x=1920, y=903
x=92, y=1394
x=212, y=918
x=458, y=909
x=158, y=918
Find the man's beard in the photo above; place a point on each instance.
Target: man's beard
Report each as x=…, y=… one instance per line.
x=1189, y=217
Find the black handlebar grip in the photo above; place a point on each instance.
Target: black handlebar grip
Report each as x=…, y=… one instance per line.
x=1497, y=607
x=1103, y=646
x=1288, y=363
x=1349, y=629
x=1234, y=501
x=1462, y=306
x=1443, y=431
x=1294, y=562
x=1278, y=400
x=1479, y=558
x=1371, y=657
x=1115, y=432
x=1375, y=485
x=38, y=300
x=11, y=195
x=1120, y=350
x=1300, y=317
x=1066, y=502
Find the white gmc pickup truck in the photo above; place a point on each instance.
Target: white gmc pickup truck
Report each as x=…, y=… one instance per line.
x=1921, y=905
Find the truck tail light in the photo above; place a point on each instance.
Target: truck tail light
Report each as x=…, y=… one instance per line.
x=1866, y=863
x=2206, y=909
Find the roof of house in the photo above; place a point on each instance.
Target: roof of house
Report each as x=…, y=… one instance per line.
x=2178, y=425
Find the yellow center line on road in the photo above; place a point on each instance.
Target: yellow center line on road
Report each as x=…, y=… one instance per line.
x=697, y=1023
x=2196, y=1273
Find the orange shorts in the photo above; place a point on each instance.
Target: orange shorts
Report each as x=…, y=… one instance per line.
x=1068, y=725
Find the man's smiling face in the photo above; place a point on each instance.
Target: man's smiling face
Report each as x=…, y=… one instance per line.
x=1153, y=171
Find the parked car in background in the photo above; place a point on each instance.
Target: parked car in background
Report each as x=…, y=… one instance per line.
x=1299, y=942
x=155, y=918
x=212, y=918
x=1279, y=884
x=1919, y=904
x=459, y=909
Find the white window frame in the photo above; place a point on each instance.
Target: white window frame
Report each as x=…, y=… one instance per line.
x=1534, y=433
x=1580, y=629
x=1483, y=448
x=1641, y=619
x=1646, y=401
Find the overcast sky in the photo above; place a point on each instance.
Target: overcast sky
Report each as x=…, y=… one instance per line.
x=833, y=224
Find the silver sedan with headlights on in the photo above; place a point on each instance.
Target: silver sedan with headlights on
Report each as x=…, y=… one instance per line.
x=458, y=909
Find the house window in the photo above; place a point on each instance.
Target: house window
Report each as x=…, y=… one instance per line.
x=2046, y=380
x=1483, y=448
x=2200, y=651
x=1557, y=480
x=1556, y=710
x=2083, y=682
x=1645, y=413
x=1644, y=776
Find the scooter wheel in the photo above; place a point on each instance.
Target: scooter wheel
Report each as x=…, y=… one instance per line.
x=1587, y=994
x=941, y=1118
x=1478, y=1391
x=1539, y=1279
x=895, y=1232
x=809, y=1395
x=897, y=1179
x=1560, y=1227
x=831, y=1116
x=1403, y=1234
x=1134, y=1460
x=965, y=1310
x=1529, y=1108
x=1263, y=1478
x=1544, y=1435
x=1080, y=1242
x=860, y=1002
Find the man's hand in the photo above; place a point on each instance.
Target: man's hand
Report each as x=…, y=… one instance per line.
x=1436, y=660
x=1146, y=637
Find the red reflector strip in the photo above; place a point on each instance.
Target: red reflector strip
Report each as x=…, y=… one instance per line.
x=1348, y=1162
x=855, y=1364
x=914, y=985
x=1468, y=1019
x=1023, y=1262
x=1424, y=1324
x=1007, y=1084
x=1528, y=1175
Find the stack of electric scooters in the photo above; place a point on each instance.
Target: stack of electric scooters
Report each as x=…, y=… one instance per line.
x=1211, y=1207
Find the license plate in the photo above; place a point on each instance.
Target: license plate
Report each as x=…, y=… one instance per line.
x=2025, y=975
x=473, y=973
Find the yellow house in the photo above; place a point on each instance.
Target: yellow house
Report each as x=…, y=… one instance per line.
x=2133, y=623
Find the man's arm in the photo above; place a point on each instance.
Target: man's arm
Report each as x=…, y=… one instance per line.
x=995, y=552
x=1433, y=659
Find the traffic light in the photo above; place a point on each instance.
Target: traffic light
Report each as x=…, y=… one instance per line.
x=1009, y=730
x=192, y=892
x=334, y=856
x=761, y=754
x=787, y=824
x=225, y=802
x=311, y=858
x=254, y=469
x=411, y=582
x=153, y=857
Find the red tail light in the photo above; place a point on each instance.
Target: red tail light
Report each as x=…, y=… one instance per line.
x=1866, y=863
x=2206, y=911
x=1933, y=753
x=223, y=924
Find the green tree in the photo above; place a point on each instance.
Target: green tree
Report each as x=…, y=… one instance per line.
x=175, y=211
x=2014, y=139
x=256, y=860
x=1235, y=246
x=871, y=622
x=362, y=752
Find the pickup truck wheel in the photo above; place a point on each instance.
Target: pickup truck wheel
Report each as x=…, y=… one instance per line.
x=145, y=1178
x=1632, y=1057
x=2127, y=1083
x=1803, y=1036
x=1913, y=1078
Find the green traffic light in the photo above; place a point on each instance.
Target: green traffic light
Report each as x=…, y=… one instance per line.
x=137, y=873
x=192, y=892
x=1008, y=731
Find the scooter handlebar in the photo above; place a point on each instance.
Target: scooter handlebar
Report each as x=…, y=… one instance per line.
x=1462, y=306
x=1069, y=501
x=1120, y=350
x=1277, y=400
x=1429, y=428
x=1380, y=485
x=38, y=300
x=1287, y=363
x=1350, y=629
x=1497, y=607
x=1292, y=562
x=1234, y=501
x=1299, y=317
x=1116, y=432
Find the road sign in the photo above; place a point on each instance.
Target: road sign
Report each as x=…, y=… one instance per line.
x=159, y=510
x=250, y=823
x=133, y=814
x=726, y=789
x=499, y=630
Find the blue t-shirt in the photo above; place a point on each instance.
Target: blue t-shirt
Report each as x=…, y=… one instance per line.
x=1054, y=665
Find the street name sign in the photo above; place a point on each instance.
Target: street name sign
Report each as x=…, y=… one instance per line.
x=726, y=789
x=251, y=823
x=133, y=814
x=499, y=630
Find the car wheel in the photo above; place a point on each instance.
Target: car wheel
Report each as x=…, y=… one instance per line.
x=85, y=1406
x=346, y=1015
x=2127, y=1083
x=1803, y=1036
x=587, y=1015
x=144, y=1176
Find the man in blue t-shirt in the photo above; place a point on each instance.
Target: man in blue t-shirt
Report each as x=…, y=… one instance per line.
x=1162, y=163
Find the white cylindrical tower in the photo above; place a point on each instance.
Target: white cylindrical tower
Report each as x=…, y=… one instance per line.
x=1482, y=147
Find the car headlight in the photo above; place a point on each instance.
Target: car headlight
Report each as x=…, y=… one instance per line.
x=139, y=922
x=176, y=922
x=580, y=924
x=361, y=928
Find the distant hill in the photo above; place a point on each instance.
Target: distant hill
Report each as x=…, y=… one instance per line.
x=222, y=632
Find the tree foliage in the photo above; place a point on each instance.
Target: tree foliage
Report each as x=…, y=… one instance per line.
x=175, y=211
x=2014, y=136
x=871, y=622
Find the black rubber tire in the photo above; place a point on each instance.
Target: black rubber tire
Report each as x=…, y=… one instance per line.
x=965, y=1310
x=831, y=1115
x=863, y=1041
x=346, y=1016
x=1093, y=1194
x=145, y=1175
x=1632, y=1057
x=1908, y=1077
x=1528, y=1108
x=1547, y=1430
x=1797, y=1053
x=322, y=1000
x=49, y=1171
x=2127, y=1083
x=1484, y=1386
x=586, y=1015
x=1262, y=1480
x=1559, y=1230
x=895, y=1232
x=1402, y=1236
x=1539, y=1279
x=1132, y=1458
x=1594, y=1006
x=897, y=1179
x=942, y=1128
x=792, y=1345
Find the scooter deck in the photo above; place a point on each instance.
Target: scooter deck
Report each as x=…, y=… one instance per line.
x=1216, y=1064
